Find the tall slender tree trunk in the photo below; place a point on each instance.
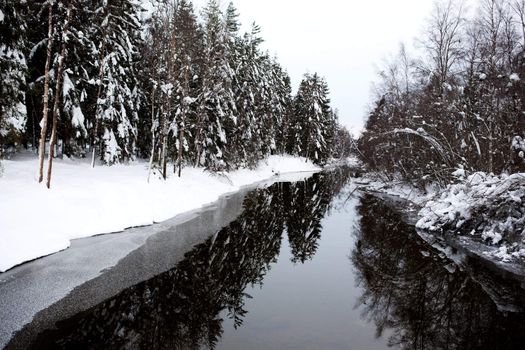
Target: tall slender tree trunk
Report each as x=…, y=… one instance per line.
x=181, y=144
x=183, y=117
x=43, y=131
x=58, y=90
x=153, y=141
x=97, y=117
x=165, y=141
x=170, y=61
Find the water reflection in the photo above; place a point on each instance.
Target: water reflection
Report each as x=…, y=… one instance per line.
x=418, y=296
x=410, y=292
x=180, y=309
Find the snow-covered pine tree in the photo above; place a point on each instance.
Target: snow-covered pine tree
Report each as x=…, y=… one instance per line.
x=215, y=118
x=245, y=142
x=275, y=103
x=281, y=103
x=13, y=67
x=312, y=115
x=261, y=92
x=188, y=53
x=116, y=33
x=78, y=90
x=153, y=68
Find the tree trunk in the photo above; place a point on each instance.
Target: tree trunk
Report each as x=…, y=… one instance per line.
x=181, y=143
x=58, y=90
x=165, y=141
x=183, y=118
x=152, y=132
x=43, y=131
x=97, y=117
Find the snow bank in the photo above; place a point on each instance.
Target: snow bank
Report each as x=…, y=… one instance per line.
x=398, y=187
x=487, y=207
x=85, y=201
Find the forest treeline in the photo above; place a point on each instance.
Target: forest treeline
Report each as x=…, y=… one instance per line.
x=459, y=103
x=109, y=80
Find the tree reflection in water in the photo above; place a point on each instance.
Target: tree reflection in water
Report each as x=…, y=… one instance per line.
x=181, y=308
x=412, y=293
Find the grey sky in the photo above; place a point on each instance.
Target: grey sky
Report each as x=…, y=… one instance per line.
x=344, y=41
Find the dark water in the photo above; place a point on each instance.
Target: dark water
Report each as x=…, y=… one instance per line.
x=308, y=265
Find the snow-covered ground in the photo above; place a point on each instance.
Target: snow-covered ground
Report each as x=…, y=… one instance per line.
x=85, y=201
x=485, y=207
x=397, y=187
x=486, y=212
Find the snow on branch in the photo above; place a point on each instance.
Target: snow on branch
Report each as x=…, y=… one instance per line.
x=431, y=140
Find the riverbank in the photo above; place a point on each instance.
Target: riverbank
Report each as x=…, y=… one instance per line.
x=482, y=213
x=85, y=201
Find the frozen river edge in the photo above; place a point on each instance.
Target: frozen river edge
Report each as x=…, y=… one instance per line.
x=61, y=284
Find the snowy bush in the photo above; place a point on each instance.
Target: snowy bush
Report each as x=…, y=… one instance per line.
x=518, y=150
x=518, y=145
x=489, y=208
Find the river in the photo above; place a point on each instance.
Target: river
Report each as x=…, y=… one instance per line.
x=305, y=265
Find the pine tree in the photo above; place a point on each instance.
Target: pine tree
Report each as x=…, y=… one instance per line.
x=188, y=53
x=246, y=86
x=216, y=103
x=13, y=67
x=206, y=94
x=313, y=120
x=116, y=35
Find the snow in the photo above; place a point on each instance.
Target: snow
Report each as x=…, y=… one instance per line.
x=483, y=205
x=514, y=77
x=112, y=150
x=85, y=201
x=1, y=16
x=399, y=188
x=67, y=86
x=78, y=117
x=518, y=144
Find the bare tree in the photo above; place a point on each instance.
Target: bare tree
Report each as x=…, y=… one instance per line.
x=519, y=9
x=443, y=38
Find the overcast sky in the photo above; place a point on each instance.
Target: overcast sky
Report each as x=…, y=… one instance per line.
x=344, y=41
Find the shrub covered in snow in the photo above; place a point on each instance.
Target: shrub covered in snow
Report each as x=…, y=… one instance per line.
x=487, y=207
x=518, y=149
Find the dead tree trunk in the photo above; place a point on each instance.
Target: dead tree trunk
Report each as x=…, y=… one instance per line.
x=58, y=90
x=43, y=131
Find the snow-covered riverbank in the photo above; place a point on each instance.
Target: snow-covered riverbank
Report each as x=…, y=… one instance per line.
x=85, y=201
x=484, y=210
